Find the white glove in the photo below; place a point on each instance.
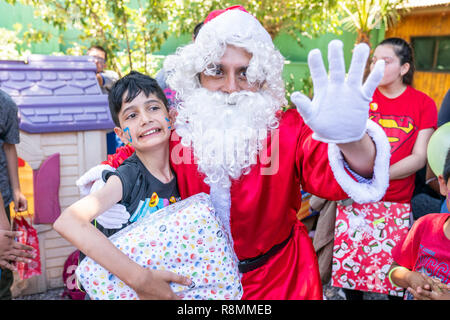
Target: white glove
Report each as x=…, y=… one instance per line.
x=339, y=110
x=92, y=181
x=85, y=182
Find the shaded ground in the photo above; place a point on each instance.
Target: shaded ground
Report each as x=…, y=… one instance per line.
x=331, y=293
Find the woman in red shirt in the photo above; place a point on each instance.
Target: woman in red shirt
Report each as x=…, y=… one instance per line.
x=408, y=117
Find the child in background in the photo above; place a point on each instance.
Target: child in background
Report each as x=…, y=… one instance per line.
x=139, y=110
x=422, y=258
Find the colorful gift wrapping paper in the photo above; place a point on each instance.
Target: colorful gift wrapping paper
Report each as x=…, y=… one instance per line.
x=29, y=237
x=364, y=237
x=186, y=238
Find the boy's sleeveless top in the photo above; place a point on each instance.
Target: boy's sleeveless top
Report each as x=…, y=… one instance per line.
x=138, y=184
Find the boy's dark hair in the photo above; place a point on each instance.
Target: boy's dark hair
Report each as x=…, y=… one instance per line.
x=132, y=85
x=446, y=172
x=405, y=53
x=101, y=49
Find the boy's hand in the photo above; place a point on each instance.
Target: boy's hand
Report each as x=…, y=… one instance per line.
x=20, y=201
x=437, y=290
x=155, y=285
x=12, y=251
x=417, y=279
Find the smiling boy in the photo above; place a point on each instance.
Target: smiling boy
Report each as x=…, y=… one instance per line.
x=139, y=110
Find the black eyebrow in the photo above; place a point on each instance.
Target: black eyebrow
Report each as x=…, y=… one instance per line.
x=145, y=103
x=127, y=108
x=153, y=101
x=216, y=67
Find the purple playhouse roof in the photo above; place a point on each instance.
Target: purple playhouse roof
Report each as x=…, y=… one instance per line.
x=56, y=93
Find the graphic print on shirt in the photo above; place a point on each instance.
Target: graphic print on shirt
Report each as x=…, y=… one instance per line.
x=398, y=129
x=150, y=205
x=429, y=265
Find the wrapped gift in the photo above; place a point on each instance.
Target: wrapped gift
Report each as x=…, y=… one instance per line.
x=186, y=238
x=364, y=237
x=29, y=237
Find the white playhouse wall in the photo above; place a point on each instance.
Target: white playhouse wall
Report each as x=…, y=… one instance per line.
x=79, y=151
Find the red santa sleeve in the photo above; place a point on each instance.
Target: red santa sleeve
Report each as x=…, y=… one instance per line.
x=116, y=159
x=316, y=176
x=323, y=172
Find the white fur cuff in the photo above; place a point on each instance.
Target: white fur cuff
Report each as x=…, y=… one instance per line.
x=364, y=192
x=85, y=182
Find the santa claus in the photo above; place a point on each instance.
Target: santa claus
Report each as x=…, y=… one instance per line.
x=233, y=141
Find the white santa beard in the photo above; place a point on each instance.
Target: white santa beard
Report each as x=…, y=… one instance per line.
x=226, y=133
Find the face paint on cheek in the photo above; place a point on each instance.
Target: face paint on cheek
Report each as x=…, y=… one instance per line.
x=129, y=134
x=168, y=120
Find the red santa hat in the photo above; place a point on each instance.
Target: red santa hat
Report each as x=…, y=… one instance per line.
x=215, y=13
x=232, y=26
x=235, y=22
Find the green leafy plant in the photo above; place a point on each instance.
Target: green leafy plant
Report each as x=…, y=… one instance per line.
x=363, y=16
x=305, y=86
x=132, y=30
x=12, y=47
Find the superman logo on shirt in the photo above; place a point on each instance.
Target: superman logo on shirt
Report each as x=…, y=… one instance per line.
x=398, y=129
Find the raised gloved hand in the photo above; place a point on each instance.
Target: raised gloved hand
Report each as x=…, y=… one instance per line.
x=339, y=110
x=91, y=181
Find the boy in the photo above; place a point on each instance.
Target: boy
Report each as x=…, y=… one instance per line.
x=421, y=260
x=139, y=110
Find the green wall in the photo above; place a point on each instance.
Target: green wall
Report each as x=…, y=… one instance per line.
x=10, y=15
x=297, y=55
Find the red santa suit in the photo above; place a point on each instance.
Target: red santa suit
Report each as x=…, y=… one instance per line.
x=264, y=202
x=264, y=206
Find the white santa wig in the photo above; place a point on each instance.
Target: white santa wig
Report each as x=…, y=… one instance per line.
x=231, y=27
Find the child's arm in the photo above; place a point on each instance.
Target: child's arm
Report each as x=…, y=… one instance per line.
x=74, y=225
x=405, y=278
x=20, y=201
